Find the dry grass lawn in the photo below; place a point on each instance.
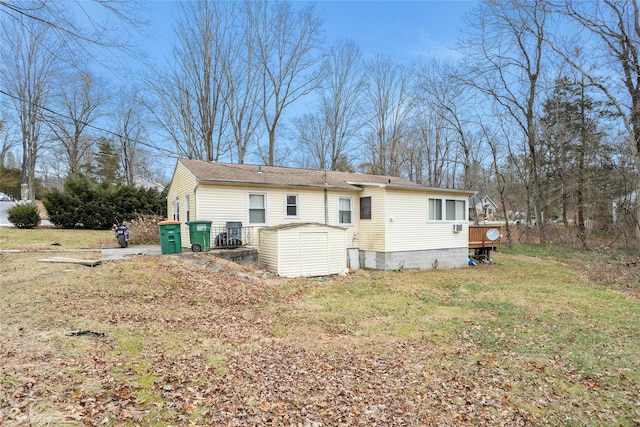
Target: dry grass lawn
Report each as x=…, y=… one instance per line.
x=194, y=340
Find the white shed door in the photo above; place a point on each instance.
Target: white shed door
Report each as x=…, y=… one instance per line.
x=314, y=253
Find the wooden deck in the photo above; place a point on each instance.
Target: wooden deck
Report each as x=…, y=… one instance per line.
x=478, y=237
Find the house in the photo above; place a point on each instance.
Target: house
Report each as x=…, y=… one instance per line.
x=483, y=207
x=147, y=183
x=388, y=222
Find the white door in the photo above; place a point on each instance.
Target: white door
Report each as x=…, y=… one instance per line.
x=314, y=253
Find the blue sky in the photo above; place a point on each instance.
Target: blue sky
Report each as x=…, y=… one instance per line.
x=404, y=30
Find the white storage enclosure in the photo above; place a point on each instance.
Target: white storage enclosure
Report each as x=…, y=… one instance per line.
x=303, y=249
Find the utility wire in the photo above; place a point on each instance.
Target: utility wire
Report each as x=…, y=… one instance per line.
x=167, y=152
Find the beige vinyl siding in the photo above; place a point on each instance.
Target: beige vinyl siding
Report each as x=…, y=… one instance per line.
x=268, y=253
x=408, y=229
x=314, y=253
x=229, y=203
x=337, y=251
x=333, y=198
x=371, y=232
x=222, y=204
x=304, y=250
x=183, y=184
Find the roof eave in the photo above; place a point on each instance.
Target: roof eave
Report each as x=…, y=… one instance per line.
x=232, y=183
x=413, y=187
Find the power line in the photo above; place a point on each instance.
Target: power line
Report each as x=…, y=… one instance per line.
x=137, y=141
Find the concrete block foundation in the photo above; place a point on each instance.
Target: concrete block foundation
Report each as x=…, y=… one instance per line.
x=415, y=260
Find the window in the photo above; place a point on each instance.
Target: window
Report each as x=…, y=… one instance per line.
x=344, y=210
x=176, y=209
x=186, y=207
x=257, y=208
x=454, y=210
x=365, y=207
x=291, y=208
x=435, y=210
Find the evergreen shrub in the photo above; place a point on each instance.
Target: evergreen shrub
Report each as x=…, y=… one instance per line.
x=90, y=205
x=24, y=216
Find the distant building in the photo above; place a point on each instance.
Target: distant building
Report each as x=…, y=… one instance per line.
x=141, y=181
x=483, y=207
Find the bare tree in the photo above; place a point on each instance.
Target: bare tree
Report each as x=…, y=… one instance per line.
x=191, y=108
x=287, y=52
x=505, y=62
x=79, y=101
x=616, y=25
x=328, y=134
x=130, y=127
x=427, y=148
x=27, y=74
x=501, y=176
x=312, y=136
x=446, y=97
x=242, y=82
x=105, y=26
x=7, y=140
x=36, y=38
x=390, y=99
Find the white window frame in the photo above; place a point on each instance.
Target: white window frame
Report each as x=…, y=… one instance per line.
x=265, y=199
x=286, y=205
x=436, y=218
x=187, y=207
x=351, y=206
x=443, y=217
x=176, y=209
x=457, y=209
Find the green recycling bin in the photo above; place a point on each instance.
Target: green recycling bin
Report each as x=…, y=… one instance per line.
x=200, y=235
x=170, y=237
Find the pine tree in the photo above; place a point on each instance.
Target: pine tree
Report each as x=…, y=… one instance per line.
x=107, y=168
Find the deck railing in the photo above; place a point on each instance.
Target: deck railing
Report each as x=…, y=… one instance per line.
x=478, y=237
x=233, y=237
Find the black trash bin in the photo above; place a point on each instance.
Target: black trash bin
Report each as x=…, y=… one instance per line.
x=232, y=237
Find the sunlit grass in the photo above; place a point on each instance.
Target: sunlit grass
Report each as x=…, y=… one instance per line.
x=52, y=238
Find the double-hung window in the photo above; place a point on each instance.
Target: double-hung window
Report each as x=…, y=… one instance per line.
x=345, y=210
x=291, y=202
x=257, y=208
x=186, y=207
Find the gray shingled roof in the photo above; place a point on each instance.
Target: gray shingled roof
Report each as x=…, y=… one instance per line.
x=216, y=172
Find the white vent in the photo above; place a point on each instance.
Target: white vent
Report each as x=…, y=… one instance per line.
x=457, y=228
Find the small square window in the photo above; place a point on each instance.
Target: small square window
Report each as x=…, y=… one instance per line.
x=291, y=205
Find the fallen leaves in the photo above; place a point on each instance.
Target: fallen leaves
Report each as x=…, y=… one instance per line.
x=188, y=345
